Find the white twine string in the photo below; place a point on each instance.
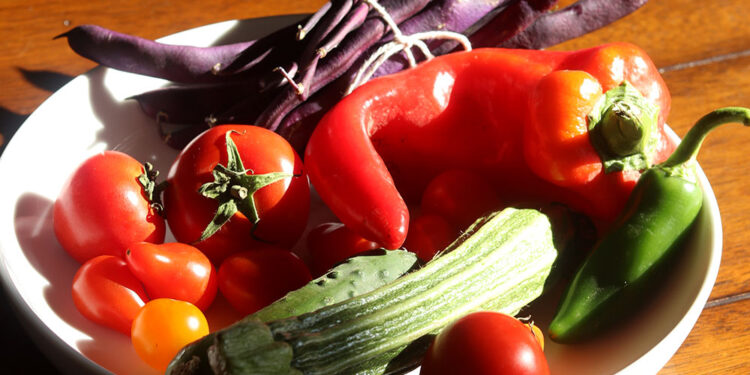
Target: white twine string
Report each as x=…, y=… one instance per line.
x=400, y=43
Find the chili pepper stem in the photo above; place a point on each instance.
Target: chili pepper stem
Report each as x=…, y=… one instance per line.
x=691, y=143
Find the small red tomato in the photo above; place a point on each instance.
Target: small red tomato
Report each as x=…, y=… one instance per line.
x=332, y=243
x=174, y=270
x=106, y=292
x=485, y=343
x=251, y=280
x=227, y=178
x=429, y=234
x=104, y=207
x=162, y=327
x=460, y=196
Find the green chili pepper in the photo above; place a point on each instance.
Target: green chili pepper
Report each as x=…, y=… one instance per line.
x=626, y=263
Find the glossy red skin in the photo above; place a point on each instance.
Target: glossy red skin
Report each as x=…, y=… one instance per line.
x=485, y=343
x=106, y=292
x=283, y=206
x=174, y=270
x=429, y=234
x=556, y=138
x=460, y=196
x=251, y=280
x=332, y=243
x=461, y=110
x=102, y=208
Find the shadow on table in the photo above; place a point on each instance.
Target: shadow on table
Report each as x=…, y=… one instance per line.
x=9, y=124
x=43, y=79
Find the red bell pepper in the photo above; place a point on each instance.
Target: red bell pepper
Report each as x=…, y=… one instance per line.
x=520, y=118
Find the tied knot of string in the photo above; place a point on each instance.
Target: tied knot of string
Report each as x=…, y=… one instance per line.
x=400, y=43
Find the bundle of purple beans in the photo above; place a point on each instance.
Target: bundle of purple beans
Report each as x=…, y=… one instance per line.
x=242, y=83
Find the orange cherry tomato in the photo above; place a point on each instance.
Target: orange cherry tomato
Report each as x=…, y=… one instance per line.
x=162, y=327
x=537, y=333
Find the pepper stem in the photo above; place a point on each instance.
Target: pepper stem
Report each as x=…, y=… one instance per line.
x=622, y=127
x=691, y=143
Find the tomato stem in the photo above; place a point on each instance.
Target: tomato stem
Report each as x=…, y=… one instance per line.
x=151, y=189
x=239, y=192
x=233, y=188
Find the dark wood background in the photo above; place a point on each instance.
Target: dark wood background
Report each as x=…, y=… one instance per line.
x=702, y=47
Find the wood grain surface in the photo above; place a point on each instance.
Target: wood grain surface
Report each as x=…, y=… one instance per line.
x=702, y=48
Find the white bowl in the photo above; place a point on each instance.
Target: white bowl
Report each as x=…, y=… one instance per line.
x=91, y=114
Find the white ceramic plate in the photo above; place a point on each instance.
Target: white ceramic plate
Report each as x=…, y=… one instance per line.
x=91, y=114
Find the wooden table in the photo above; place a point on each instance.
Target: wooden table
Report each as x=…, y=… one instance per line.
x=702, y=47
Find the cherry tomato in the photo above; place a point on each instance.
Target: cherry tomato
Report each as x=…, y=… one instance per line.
x=174, y=270
x=251, y=280
x=331, y=243
x=103, y=208
x=282, y=207
x=460, y=196
x=485, y=343
x=429, y=234
x=162, y=327
x=106, y=292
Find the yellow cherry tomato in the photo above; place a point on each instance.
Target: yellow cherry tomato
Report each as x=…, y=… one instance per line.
x=537, y=333
x=162, y=327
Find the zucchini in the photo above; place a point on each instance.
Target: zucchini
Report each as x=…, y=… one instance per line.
x=500, y=263
x=355, y=276
x=358, y=275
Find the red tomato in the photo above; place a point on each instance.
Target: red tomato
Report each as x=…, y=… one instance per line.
x=429, y=234
x=174, y=270
x=253, y=279
x=332, y=243
x=460, y=196
x=103, y=208
x=106, y=292
x=162, y=327
x=282, y=206
x=485, y=343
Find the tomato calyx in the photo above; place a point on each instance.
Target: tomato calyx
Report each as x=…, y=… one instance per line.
x=152, y=189
x=233, y=188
